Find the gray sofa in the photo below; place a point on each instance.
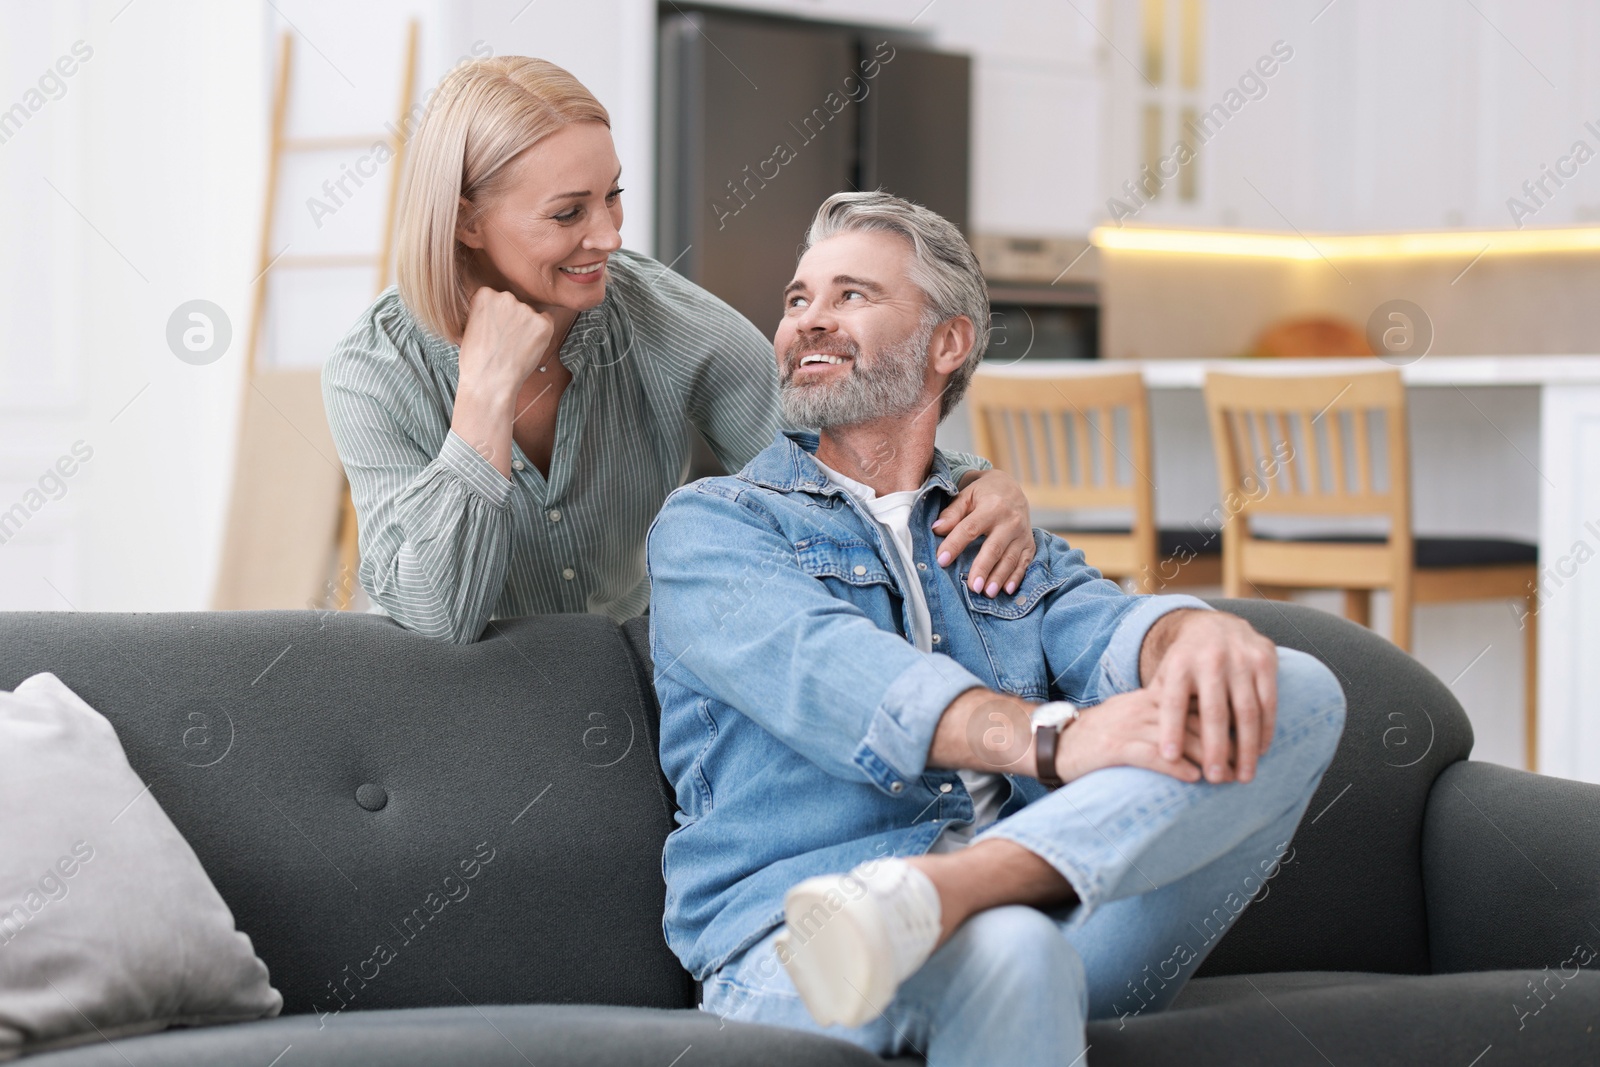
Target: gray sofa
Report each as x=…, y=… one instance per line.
x=330, y=770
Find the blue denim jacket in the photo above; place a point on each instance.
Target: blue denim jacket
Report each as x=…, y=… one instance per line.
x=796, y=714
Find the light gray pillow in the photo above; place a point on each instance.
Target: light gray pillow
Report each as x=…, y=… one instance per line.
x=108, y=923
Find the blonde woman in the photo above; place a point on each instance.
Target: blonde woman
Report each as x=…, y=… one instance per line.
x=514, y=413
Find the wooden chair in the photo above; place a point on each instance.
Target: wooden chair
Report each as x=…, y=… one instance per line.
x=1304, y=446
x=1083, y=442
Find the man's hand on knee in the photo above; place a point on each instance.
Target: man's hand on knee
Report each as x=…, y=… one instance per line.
x=1219, y=667
x=1207, y=708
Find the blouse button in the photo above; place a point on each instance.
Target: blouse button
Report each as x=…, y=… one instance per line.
x=569, y=574
x=860, y=570
x=554, y=515
x=516, y=464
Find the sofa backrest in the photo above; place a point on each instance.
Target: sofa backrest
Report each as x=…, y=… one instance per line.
x=1351, y=898
x=394, y=821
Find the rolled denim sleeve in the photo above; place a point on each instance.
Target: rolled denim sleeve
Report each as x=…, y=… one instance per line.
x=902, y=726
x=1092, y=631
x=1119, y=663
x=735, y=618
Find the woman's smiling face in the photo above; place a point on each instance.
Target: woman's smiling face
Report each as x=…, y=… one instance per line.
x=546, y=237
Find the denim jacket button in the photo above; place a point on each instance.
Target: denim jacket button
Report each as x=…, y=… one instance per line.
x=945, y=788
x=897, y=787
x=937, y=639
x=860, y=570
x=922, y=566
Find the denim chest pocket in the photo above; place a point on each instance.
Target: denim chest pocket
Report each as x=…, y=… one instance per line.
x=852, y=562
x=1036, y=583
x=1011, y=628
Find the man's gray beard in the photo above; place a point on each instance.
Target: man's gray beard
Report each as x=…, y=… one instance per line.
x=889, y=384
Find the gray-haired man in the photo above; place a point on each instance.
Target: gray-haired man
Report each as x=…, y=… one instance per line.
x=911, y=815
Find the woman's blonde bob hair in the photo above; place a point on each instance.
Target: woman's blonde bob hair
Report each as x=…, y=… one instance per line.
x=483, y=114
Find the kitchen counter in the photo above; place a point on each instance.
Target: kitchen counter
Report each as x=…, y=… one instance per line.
x=1429, y=370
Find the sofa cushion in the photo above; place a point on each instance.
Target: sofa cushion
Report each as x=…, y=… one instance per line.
x=1351, y=898
x=486, y=1036
x=1273, y=1020
x=1376, y=1020
x=396, y=821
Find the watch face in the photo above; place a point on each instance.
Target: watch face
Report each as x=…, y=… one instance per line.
x=1055, y=713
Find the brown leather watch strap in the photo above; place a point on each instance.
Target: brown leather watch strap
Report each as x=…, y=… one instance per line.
x=1045, y=740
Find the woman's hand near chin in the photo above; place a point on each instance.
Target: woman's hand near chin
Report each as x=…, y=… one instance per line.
x=504, y=342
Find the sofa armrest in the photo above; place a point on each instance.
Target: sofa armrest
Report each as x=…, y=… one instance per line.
x=1511, y=870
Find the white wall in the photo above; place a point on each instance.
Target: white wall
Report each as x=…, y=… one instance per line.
x=348, y=64
x=126, y=197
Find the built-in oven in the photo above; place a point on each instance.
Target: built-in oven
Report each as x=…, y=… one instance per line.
x=1044, y=298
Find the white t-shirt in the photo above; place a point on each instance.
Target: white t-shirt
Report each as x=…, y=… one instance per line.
x=893, y=513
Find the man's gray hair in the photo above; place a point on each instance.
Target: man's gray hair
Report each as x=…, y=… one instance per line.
x=943, y=265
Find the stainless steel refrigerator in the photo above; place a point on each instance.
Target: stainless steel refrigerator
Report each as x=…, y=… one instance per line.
x=763, y=118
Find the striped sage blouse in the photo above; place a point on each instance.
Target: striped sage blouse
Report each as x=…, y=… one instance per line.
x=447, y=542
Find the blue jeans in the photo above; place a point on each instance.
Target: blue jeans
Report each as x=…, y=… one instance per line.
x=1161, y=869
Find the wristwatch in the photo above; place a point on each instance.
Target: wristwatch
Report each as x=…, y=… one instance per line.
x=1049, y=720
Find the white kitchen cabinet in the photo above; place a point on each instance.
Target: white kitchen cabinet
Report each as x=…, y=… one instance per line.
x=1411, y=116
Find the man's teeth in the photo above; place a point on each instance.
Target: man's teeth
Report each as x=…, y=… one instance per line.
x=590, y=269
x=819, y=357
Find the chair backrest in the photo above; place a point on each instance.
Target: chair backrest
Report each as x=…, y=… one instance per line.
x=1291, y=444
x=1072, y=441
x=1311, y=445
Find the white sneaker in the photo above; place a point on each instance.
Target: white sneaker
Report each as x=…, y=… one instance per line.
x=849, y=940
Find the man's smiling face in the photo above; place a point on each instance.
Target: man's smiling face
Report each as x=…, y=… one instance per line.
x=853, y=342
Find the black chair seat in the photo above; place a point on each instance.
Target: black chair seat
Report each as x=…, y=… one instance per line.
x=1170, y=543
x=1436, y=552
